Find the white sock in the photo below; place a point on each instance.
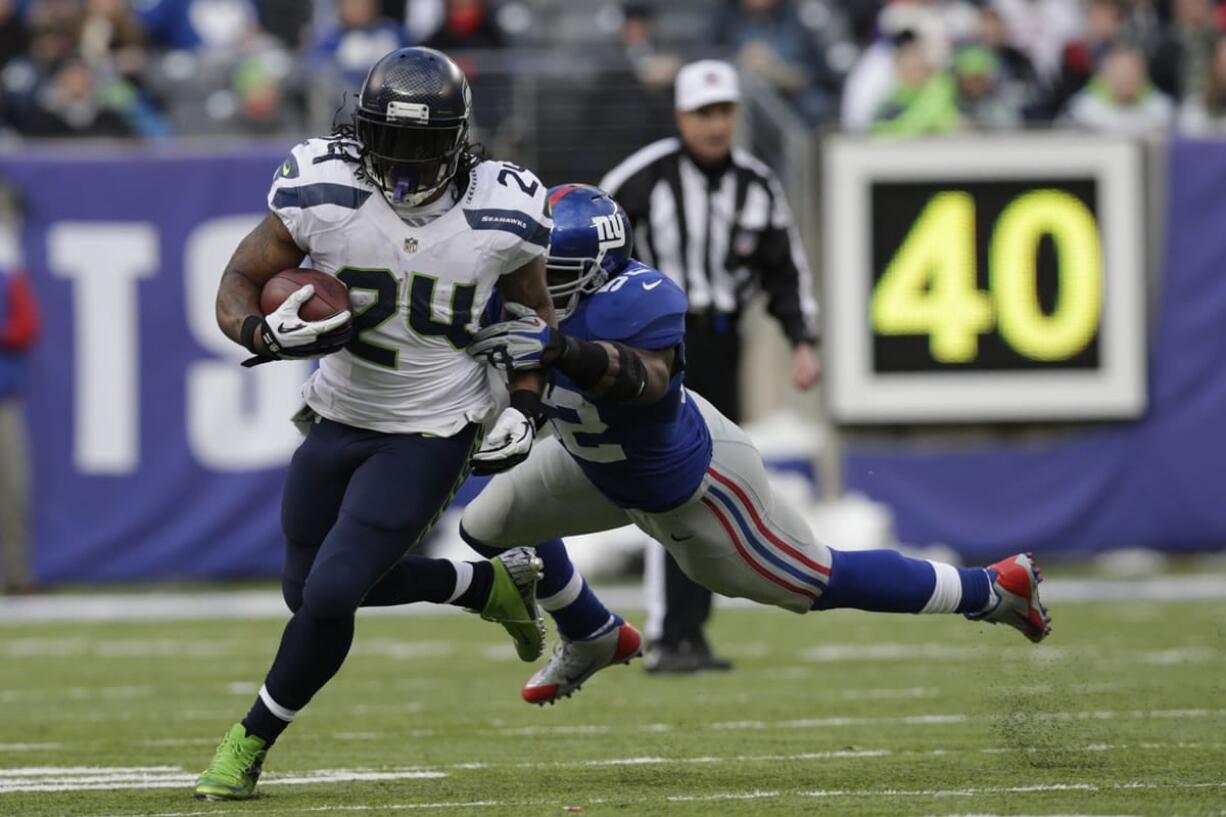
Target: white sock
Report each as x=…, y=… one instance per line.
x=564, y=597
x=947, y=594
x=463, y=579
x=275, y=708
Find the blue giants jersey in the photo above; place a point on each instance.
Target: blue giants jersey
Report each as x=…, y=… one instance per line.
x=649, y=458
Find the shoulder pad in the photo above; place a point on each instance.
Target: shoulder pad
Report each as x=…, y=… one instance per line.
x=510, y=199
x=320, y=175
x=641, y=307
x=332, y=159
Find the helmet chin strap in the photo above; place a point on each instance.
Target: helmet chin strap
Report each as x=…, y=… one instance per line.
x=414, y=212
x=399, y=197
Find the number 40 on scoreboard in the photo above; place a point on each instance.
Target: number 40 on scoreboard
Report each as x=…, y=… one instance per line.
x=984, y=279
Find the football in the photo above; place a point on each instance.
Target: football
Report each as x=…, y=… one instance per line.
x=331, y=295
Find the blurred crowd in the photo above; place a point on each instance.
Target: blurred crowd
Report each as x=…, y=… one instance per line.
x=156, y=68
x=1128, y=66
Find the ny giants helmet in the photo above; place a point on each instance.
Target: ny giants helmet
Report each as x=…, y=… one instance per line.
x=591, y=241
x=412, y=120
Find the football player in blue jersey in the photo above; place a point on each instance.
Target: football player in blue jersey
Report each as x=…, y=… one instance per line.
x=632, y=445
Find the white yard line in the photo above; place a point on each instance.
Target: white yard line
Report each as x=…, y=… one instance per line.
x=971, y=792
x=90, y=778
x=322, y=809
x=578, y=729
x=961, y=717
x=179, y=742
x=889, y=694
x=8, y=696
x=64, y=778
x=886, y=651
x=256, y=604
x=47, y=779
x=816, y=756
x=348, y=776
x=684, y=761
x=76, y=771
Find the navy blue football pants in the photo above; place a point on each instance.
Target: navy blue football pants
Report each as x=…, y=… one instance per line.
x=355, y=501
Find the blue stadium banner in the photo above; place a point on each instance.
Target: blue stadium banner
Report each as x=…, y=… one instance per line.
x=155, y=454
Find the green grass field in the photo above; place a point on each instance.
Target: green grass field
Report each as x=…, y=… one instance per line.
x=1122, y=711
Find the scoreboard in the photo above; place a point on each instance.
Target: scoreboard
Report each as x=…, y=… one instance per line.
x=984, y=279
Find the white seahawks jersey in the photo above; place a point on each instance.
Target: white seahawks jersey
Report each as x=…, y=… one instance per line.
x=418, y=291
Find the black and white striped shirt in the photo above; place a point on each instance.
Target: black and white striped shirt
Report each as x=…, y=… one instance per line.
x=718, y=234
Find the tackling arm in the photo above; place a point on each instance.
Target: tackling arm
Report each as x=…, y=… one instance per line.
x=614, y=371
x=264, y=252
x=601, y=368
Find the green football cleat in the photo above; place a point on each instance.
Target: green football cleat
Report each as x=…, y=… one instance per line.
x=235, y=768
x=512, y=601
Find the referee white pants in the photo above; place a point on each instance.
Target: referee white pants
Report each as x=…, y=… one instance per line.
x=733, y=536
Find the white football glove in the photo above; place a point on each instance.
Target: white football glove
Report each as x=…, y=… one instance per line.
x=507, y=445
x=287, y=335
x=518, y=344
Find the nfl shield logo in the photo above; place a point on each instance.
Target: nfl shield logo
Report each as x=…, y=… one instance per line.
x=410, y=245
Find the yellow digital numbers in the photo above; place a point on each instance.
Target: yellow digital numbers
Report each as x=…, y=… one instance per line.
x=929, y=286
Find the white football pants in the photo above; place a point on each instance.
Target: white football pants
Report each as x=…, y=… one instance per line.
x=733, y=536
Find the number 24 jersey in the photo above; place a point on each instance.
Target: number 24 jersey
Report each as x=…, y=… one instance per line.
x=418, y=290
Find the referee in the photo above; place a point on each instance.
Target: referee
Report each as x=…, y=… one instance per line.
x=714, y=219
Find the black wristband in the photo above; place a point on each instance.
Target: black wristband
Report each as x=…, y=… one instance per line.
x=583, y=361
x=246, y=335
x=587, y=364
x=527, y=402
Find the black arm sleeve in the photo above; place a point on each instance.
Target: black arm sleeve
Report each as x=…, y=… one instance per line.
x=588, y=364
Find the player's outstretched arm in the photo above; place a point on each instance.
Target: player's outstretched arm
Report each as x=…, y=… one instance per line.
x=615, y=371
x=264, y=252
x=605, y=369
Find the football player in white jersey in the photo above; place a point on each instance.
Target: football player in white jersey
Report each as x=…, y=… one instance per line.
x=422, y=232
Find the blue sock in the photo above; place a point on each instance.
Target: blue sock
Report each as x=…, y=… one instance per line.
x=884, y=581
x=563, y=592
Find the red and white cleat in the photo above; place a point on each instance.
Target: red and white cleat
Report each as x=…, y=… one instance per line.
x=573, y=662
x=1016, y=585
